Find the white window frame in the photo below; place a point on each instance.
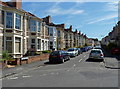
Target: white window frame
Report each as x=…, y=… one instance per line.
x=6, y=19
x=19, y=19
x=33, y=26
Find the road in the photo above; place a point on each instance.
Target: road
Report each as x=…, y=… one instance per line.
x=78, y=72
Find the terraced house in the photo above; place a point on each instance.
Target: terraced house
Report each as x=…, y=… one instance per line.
x=113, y=36
x=69, y=37
x=57, y=34
x=12, y=28
x=1, y=32
x=22, y=31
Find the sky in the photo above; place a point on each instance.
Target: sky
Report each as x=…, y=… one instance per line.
x=95, y=19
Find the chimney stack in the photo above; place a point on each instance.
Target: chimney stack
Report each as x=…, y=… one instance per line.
x=70, y=27
x=15, y=3
x=47, y=19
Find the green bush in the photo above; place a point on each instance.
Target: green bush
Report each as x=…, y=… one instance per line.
x=5, y=56
x=111, y=45
x=38, y=53
x=46, y=51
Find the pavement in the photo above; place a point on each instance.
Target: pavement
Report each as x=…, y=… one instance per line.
x=111, y=61
x=18, y=69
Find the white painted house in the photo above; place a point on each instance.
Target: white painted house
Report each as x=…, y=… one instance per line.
x=52, y=38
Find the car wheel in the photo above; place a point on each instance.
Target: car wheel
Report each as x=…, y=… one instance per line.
x=63, y=60
x=68, y=58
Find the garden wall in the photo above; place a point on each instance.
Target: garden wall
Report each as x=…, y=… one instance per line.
x=31, y=59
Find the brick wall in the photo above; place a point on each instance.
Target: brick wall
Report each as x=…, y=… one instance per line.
x=35, y=58
x=30, y=60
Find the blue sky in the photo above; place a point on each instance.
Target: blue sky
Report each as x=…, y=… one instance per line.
x=95, y=19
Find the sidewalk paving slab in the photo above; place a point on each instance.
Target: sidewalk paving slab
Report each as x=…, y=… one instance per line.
x=18, y=69
x=112, y=63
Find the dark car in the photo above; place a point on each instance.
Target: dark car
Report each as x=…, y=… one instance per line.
x=79, y=51
x=59, y=56
x=84, y=49
x=115, y=51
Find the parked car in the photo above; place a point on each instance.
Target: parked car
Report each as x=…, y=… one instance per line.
x=115, y=51
x=97, y=47
x=59, y=56
x=90, y=47
x=96, y=54
x=79, y=51
x=84, y=49
x=73, y=52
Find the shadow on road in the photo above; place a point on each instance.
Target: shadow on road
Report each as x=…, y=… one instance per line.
x=94, y=60
x=51, y=63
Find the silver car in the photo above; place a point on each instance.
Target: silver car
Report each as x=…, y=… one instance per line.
x=72, y=52
x=96, y=54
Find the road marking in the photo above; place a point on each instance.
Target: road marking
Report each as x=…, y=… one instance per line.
x=68, y=70
x=26, y=76
x=41, y=75
x=57, y=73
x=14, y=78
x=44, y=74
x=74, y=65
x=52, y=73
x=80, y=60
x=71, y=67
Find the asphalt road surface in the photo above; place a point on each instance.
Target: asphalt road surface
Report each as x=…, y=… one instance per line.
x=77, y=72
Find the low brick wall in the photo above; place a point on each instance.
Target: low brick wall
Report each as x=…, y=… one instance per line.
x=38, y=58
x=3, y=64
x=30, y=60
x=34, y=58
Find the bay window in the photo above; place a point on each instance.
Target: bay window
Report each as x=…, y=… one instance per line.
x=9, y=44
x=2, y=22
x=50, y=31
x=58, y=33
x=9, y=20
x=38, y=44
x=32, y=25
x=33, y=43
x=39, y=26
x=17, y=45
x=18, y=21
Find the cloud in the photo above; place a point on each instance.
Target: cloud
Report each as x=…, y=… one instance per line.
x=112, y=6
x=57, y=10
x=108, y=17
x=60, y=11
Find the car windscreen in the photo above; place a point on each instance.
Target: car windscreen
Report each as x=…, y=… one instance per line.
x=55, y=53
x=97, y=48
x=95, y=51
x=70, y=49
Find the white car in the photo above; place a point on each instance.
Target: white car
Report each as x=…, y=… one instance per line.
x=97, y=47
x=73, y=52
x=96, y=54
